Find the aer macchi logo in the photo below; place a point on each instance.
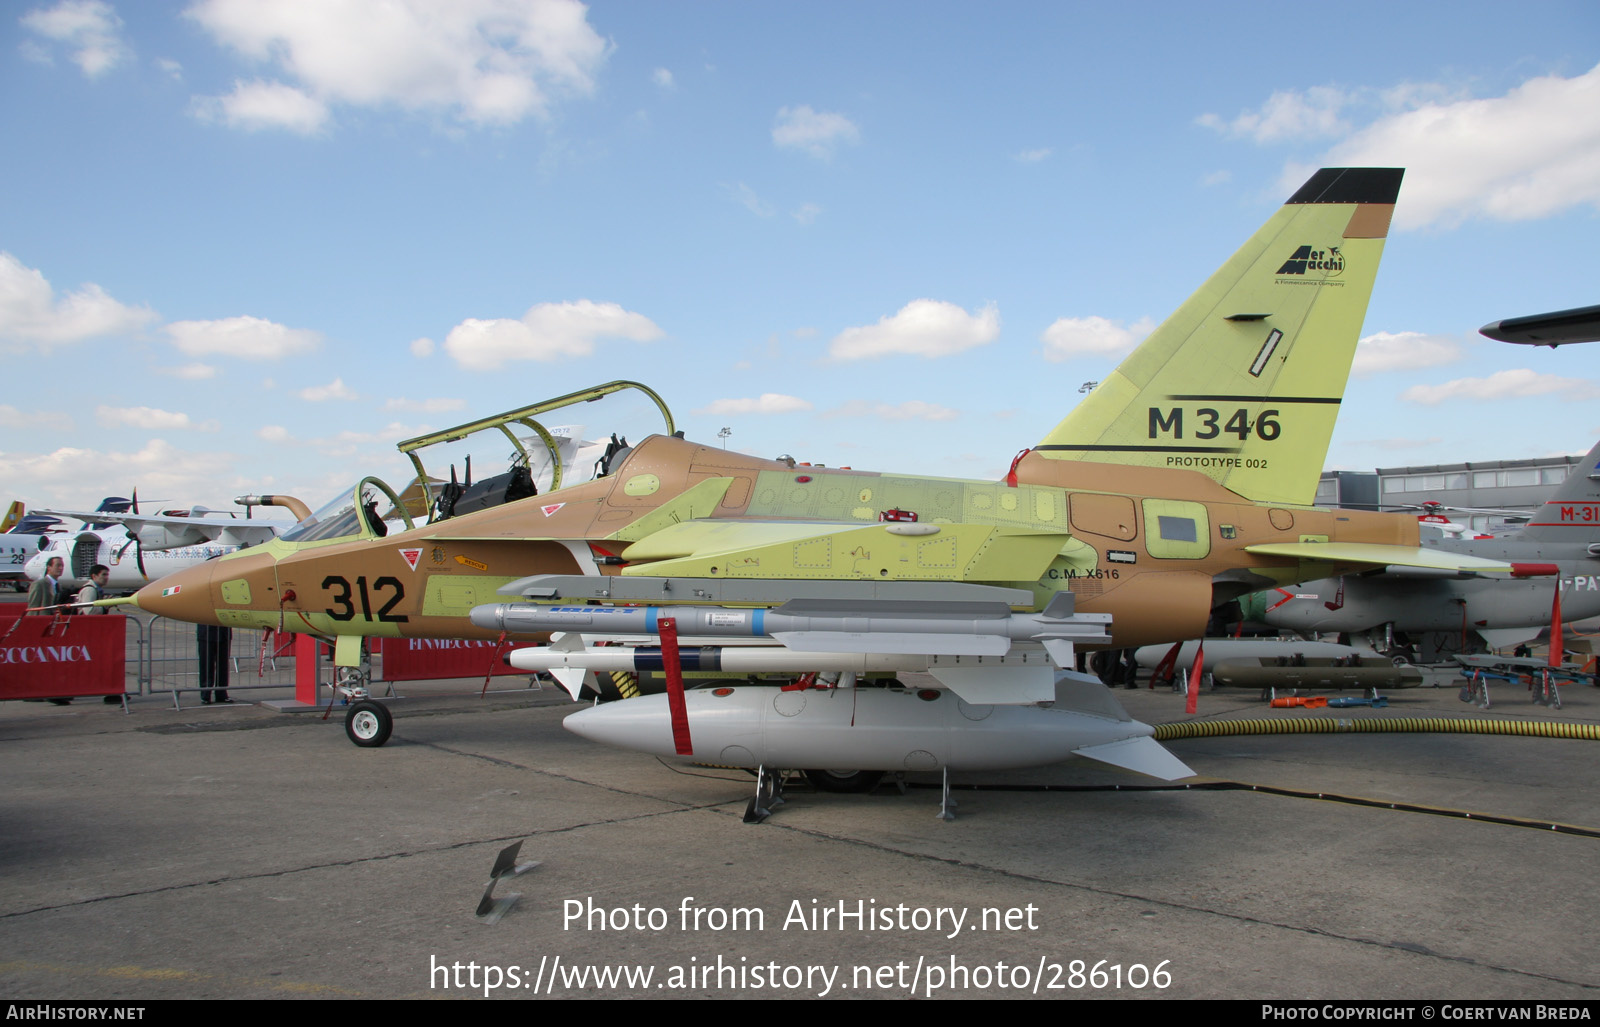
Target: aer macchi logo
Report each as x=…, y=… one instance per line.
x=1329, y=263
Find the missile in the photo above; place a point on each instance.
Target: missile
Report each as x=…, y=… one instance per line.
x=888, y=729
x=1024, y=675
x=923, y=628
x=749, y=659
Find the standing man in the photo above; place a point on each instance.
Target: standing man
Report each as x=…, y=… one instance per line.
x=95, y=589
x=215, y=646
x=42, y=596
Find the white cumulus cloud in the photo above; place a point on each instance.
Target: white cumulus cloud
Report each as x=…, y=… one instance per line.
x=1403, y=351
x=335, y=389
x=30, y=312
x=1528, y=154
x=482, y=62
x=747, y=198
x=250, y=338
x=11, y=417
x=766, y=403
x=923, y=328
x=67, y=475
x=190, y=372
x=149, y=418
x=89, y=28
x=1070, y=337
x=1517, y=383
x=1314, y=113
x=422, y=347
x=548, y=331
x=257, y=104
x=815, y=132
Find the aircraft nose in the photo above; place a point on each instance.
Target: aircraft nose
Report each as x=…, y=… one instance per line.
x=183, y=595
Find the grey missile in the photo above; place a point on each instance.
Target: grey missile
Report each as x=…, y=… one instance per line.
x=755, y=660
x=885, y=729
x=828, y=625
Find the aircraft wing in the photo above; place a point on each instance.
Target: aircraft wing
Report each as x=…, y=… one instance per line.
x=1556, y=328
x=158, y=532
x=791, y=550
x=1376, y=555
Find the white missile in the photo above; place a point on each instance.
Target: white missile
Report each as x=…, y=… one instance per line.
x=1026, y=674
x=885, y=729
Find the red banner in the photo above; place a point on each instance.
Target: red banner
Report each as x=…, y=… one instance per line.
x=421, y=659
x=55, y=657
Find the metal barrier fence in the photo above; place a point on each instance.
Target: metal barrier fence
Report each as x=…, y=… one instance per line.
x=166, y=654
x=169, y=659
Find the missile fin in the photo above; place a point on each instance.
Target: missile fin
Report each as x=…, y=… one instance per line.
x=985, y=686
x=1061, y=653
x=1083, y=693
x=573, y=680
x=1143, y=755
x=568, y=642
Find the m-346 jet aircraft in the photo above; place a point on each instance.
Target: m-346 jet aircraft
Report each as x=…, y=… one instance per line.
x=1558, y=549
x=1171, y=489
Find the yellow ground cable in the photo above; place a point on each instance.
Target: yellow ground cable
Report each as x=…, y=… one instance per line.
x=1376, y=725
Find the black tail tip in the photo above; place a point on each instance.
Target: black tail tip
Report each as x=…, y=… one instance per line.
x=1351, y=185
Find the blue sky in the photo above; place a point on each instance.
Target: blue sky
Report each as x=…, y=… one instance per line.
x=248, y=245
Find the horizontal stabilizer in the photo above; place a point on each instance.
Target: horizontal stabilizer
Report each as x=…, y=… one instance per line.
x=980, y=686
x=1377, y=555
x=1141, y=755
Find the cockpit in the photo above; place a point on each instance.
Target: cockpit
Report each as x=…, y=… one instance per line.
x=370, y=509
x=542, y=460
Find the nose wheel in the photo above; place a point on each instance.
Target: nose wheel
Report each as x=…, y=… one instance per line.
x=368, y=723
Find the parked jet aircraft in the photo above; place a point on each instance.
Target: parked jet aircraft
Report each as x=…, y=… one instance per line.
x=1562, y=541
x=1225, y=412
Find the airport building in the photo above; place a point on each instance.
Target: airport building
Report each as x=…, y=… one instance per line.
x=1461, y=489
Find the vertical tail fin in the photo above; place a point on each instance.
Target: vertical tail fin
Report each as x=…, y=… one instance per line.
x=13, y=515
x=1573, y=513
x=1243, y=381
